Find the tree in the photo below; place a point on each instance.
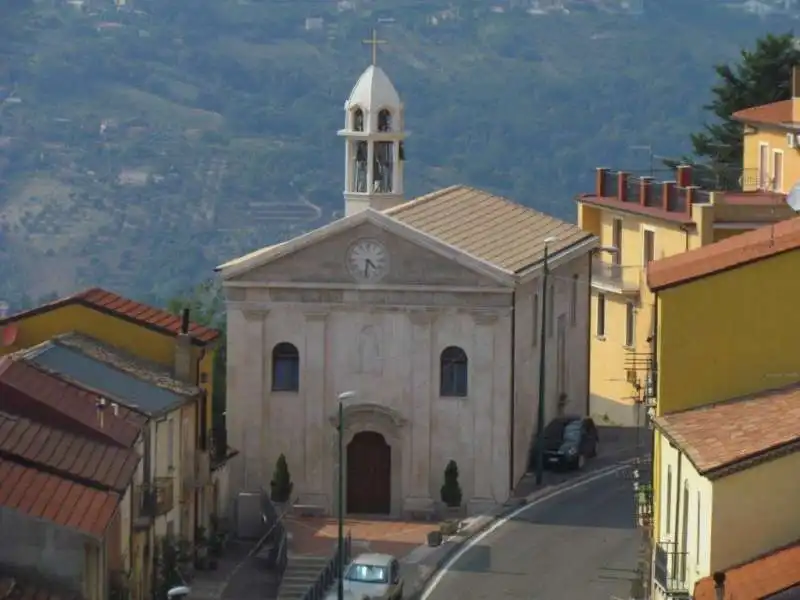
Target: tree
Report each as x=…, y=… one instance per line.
x=451, y=489
x=762, y=76
x=281, y=484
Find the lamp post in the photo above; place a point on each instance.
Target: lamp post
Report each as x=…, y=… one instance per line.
x=342, y=398
x=542, y=365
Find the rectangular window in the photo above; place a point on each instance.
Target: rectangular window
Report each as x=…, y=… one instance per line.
x=668, y=503
x=601, y=315
x=648, y=246
x=535, y=319
x=551, y=309
x=573, y=301
x=630, y=325
x=777, y=171
x=170, y=442
x=699, y=533
x=616, y=241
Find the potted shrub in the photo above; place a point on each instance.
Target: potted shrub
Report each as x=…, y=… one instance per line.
x=451, y=490
x=281, y=484
x=200, y=549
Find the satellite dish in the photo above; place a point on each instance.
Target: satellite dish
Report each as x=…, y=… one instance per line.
x=793, y=197
x=8, y=335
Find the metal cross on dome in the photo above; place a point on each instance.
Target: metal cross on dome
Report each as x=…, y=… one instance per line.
x=374, y=42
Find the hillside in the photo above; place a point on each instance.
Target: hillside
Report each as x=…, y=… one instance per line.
x=142, y=142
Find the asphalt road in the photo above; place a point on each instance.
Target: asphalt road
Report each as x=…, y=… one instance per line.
x=582, y=545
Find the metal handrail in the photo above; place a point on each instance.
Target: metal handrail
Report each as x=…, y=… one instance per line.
x=329, y=574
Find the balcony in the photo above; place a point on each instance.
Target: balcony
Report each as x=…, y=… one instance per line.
x=669, y=571
x=616, y=279
x=152, y=500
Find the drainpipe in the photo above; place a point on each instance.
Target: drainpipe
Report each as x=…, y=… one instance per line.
x=719, y=585
x=677, y=510
x=511, y=482
x=589, y=256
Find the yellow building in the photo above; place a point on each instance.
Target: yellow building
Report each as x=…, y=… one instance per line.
x=729, y=494
x=726, y=324
x=639, y=220
x=771, y=157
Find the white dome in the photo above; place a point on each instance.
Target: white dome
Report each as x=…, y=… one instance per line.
x=373, y=90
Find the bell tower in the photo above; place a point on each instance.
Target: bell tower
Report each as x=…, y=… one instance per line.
x=373, y=134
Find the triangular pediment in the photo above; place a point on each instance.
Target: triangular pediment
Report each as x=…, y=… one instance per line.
x=323, y=256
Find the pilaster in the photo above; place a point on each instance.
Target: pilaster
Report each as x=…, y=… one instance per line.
x=482, y=398
x=253, y=401
x=312, y=377
x=422, y=372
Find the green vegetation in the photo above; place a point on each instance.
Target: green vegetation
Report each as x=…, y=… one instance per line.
x=761, y=76
x=281, y=485
x=451, y=489
x=142, y=145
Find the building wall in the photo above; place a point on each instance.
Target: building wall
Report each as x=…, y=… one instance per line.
x=405, y=379
x=38, y=545
x=136, y=339
x=611, y=392
x=165, y=456
x=567, y=278
x=730, y=319
x=755, y=511
x=775, y=140
x=702, y=500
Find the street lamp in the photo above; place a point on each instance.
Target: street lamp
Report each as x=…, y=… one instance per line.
x=342, y=398
x=542, y=364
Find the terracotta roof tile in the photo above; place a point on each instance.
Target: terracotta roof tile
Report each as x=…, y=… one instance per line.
x=124, y=308
x=774, y=113
x=508, y=235
x=66, y=454
x=43, y=495
x=43, y=397
x=730, y=432
x=760, y=578
x=729, y=253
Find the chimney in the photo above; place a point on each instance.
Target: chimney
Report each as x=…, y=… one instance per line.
x=600, y=183
x=796, y=94
x=683, y=175
x=645, y=189
x=183, y=351
x=667, y=189
x=622, y=186
x=719, y=585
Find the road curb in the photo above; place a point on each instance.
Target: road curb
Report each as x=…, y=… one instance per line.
x=482, y=522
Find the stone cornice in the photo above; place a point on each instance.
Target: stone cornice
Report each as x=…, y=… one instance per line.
x=252, y=315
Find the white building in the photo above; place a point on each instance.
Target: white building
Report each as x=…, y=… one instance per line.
x=428, y=310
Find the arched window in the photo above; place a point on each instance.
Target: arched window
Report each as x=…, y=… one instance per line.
x=358, y=119
x=285, y=368
x=384, y=120
x=454, y=372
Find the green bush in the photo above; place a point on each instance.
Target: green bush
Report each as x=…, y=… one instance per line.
x=451, y=490
x=281, y=484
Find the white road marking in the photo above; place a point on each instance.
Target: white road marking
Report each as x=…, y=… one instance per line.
x=437, y=579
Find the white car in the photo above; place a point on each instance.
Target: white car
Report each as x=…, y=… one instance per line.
x=371, y=577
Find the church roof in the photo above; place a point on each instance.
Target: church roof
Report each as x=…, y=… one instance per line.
x=373, y=90
x=508, y=235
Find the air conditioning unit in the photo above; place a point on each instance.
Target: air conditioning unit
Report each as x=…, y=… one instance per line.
x=631, y=376
x=793, y=140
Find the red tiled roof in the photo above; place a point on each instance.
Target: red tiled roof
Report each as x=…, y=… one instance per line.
x=729, y=253
x=63, y=502
x=70, y=455
x=124, y=308
x=754, y=198
x=655, y=212
x=760, y=578
x=42, y=397
x=774, y=113
x=730, y=432
x=14, y=588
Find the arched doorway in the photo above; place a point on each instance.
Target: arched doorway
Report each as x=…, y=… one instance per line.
x=369, y=474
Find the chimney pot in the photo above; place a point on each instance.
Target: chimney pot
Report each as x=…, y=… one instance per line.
x=622, y=186
x=185, y=320
x=683, y=174
x=600, y=182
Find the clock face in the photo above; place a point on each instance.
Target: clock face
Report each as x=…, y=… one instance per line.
x=368, y=260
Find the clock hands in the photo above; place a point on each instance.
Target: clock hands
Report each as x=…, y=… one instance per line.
x=367, y=264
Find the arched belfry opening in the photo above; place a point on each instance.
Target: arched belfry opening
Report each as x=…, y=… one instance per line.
x=374, y=136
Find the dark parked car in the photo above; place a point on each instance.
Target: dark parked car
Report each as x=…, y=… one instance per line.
x=568, y=442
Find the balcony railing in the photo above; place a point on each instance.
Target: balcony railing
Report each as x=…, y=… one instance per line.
x=669, y=570
x=155, y=499
x=615, y=278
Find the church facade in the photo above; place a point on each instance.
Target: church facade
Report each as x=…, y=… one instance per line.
x=422, y=317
